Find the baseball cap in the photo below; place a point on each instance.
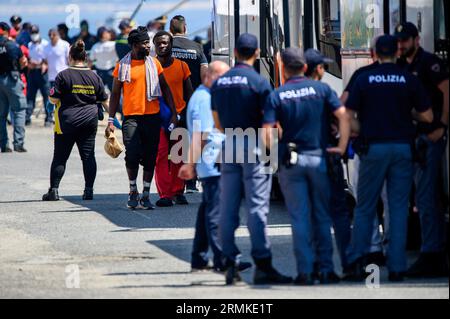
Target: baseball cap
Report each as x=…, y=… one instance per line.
x=125, y=23
x=406, y=30
x=34, y=29
x=15, y=19
x=4, y=26
x=314, y=58
x=386, y=45
x=247, y=41
x=293, y=58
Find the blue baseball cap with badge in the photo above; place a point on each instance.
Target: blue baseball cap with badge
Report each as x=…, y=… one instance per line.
x=386, y=45
x=293, y=58
x=406, y=30
x=315, y=58
x=247, y=42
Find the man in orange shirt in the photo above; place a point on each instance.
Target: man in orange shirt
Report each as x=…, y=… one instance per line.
x=142, y=80
x=170, y=186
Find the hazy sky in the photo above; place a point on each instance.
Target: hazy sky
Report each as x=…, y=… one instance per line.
x=48, y=13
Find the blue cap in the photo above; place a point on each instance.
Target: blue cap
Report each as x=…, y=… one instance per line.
x=386, y=45
x=247, y=41
x=406, y=30
x=4, y=26
x=293, y=57
x=315, y=58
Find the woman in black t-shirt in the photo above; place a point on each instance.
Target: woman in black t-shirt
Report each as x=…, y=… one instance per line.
x=76, y=93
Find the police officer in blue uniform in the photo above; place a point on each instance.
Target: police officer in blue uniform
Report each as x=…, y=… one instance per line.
x=384, y=99
x=301, y=107
x=12, y=98
x=238, y=99
x=432, y=141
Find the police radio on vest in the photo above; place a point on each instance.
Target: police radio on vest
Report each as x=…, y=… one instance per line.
x=387, y=79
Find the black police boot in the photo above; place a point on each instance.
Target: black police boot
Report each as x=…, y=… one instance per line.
x=266, y=274
x=51, y=196
x=328, y=278
x=356, y=272
x=231, y=273
x=88, y=194
x=305, y=279
x=20, y=149
x=429, y=265
x=6, y=149
x=396, y=276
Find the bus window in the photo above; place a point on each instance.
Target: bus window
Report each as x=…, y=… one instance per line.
x=395, y=14
x=329, y=39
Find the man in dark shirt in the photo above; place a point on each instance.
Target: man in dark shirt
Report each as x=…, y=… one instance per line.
x=384, y=99
x=432, y=73
x=301, y=108
x=12, y=97
x=122, y=46
x=238, y=98
x=84, y=35
x=190, y=52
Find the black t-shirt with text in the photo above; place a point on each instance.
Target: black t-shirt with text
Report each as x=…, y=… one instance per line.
x=79, y=90
x=192, y=53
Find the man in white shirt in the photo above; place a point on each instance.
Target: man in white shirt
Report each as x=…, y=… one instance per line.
x=104, y=56
x=37, y=75
x=56, y=55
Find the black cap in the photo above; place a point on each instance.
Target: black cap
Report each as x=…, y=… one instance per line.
x=34, y=29
x=314, y=58
x=293, y=58
x=387, y=45
x=4, y=26
x=406, y=30
x=247, y=41
x=125, y=23
x=15, y=19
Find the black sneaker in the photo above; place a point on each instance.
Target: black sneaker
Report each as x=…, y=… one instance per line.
x=88, y=194
x=269, y=277
x=164, y=202
x=6, y=149
x=51, y=196
x=20, y=149
x=191, y=187
x=429, y=265
x=133, y=200
x=146, y=203
x=181, y=200
x=241, y=267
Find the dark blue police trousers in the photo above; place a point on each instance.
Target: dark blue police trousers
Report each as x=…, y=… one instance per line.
x=391, y=162
x=207, y=226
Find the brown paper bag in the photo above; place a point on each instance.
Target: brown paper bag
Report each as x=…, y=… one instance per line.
x=112, y=146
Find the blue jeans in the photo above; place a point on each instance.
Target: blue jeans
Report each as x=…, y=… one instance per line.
x=12, y=99
x=393, y=163
x=207, y=226
x=306, y=189
x=36, y=82
x=257, y=186
x=432, y=219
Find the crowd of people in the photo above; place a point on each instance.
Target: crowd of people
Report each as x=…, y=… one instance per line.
x=161, y=80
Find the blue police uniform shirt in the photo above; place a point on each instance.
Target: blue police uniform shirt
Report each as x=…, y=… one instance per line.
x=384, y=98
x=200, y=119
x=431, y=71
x=10, y=55
x=239, y=97
x=302, y=107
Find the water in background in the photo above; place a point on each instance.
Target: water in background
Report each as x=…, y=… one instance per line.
x=48, y=13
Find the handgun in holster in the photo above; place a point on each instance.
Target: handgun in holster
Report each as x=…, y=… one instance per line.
x=333, y=160
x=291, y=157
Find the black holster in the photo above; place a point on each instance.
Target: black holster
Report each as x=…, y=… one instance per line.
x=361, y=146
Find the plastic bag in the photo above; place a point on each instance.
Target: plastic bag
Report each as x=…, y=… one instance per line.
x=112, y=146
